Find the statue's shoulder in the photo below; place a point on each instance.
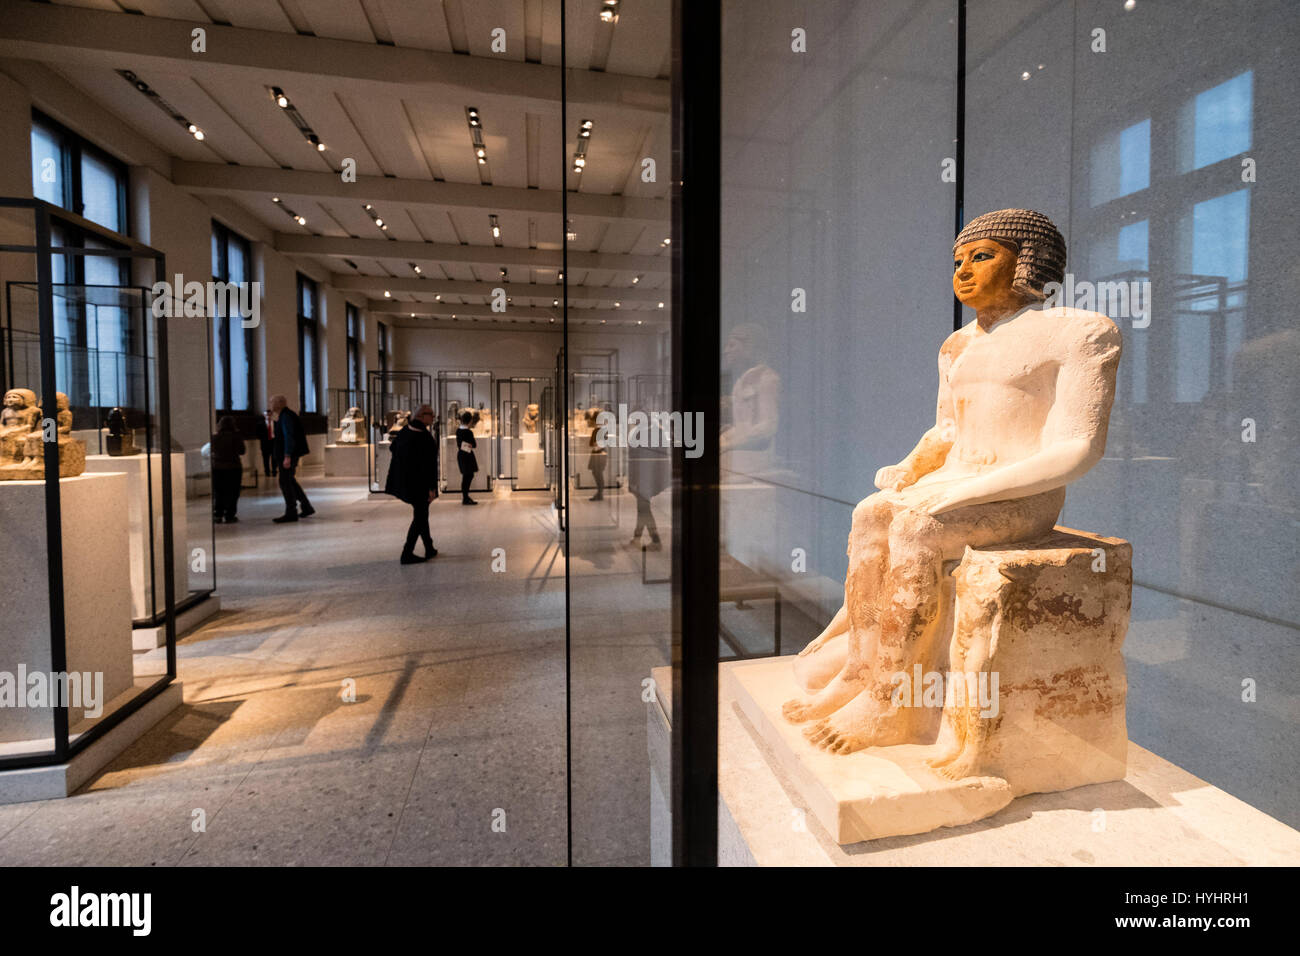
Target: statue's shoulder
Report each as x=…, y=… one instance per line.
x=1082, y=329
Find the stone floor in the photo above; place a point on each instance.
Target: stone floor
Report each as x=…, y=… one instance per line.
x=454, y=751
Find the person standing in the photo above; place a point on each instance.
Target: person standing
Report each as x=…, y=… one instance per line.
x=597, y=456
x=266, y=439
x=227, y=470
x=290, y=446
x=649, y=471
x=465, y=445
x=413, y=477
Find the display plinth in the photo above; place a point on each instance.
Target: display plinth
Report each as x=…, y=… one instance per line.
x=530, y=466
x=382, y=453
x=96, y=585
x=1158, y=815
x=141, y=472
x=346, y=461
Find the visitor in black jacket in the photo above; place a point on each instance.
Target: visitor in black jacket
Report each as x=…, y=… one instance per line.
x=227, y=471
x=290, y=445
x=465, y=445
x=413, y=477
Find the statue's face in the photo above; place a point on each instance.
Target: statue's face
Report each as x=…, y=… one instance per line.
x=13, y=400
x=982, y=273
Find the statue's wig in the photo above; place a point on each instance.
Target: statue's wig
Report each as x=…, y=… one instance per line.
x=1040, y=256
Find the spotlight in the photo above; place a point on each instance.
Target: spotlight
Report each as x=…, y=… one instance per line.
x=275, y=199
x=281, y=100
x=661, y=305
x=437, y=298
x=579, y=162
x=387, y=294
x=301, y=220
x=379, y=223
x=555, y=303
x=636, y=279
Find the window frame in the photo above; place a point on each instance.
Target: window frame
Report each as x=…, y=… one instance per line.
x=308, y=323
x=223, y=376
x=355, y=371
x=72, y=147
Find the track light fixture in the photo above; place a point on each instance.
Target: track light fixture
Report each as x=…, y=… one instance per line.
x=378, y=221
x=281, y=100
x=609, y=11
x=496, y=229
x=476, y=139
x=300, y=220
x=580, y=151
x=148, y=92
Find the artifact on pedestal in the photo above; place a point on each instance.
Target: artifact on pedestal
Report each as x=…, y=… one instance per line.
x=1031, y=632
x=121, y=439
x=397, y=420
x=531, y=414
x=23, y=438
x=352, y=427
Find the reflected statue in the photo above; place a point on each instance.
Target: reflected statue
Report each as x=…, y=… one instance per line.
x=1023, y=405
x=121, y=439
x=397, y=420
x=747, y=443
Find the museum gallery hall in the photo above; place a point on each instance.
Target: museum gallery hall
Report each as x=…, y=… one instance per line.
x=627, y=433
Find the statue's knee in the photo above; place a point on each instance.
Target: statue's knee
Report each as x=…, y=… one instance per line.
x=912, y=530
x=872, y=513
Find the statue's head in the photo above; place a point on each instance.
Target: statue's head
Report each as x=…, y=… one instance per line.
x=62, y=401
x=1011, y=252
x=353, y=413
x=20, y=398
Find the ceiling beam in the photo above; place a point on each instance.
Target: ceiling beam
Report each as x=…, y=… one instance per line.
x=513, y=313
x=524, y=290
x=224, y=179
x=495, y=256
x=55, y=33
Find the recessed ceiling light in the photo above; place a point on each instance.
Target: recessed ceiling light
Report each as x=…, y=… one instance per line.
x=387, y=294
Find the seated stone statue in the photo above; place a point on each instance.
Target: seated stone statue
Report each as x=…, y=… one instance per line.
x=1023, y=405
x=531, y=414
x=22, y=438
x=397, y=421
x=352, y=427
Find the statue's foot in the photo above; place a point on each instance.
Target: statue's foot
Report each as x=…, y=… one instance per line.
x=944, y=758
x=828, y=735
x=965, y=764
x=825, y=702
x=813, y=672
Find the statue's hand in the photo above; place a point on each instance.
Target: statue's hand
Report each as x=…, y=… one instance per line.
x=939, y=501
x=894, y=478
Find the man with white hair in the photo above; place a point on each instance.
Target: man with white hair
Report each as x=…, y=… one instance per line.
x=290, y=445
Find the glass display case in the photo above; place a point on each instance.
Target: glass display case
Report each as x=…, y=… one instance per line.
x=459, y=392
x=590, y=393
x=347, y=451
x=391, y=398
x=95, y=480
x=521, y=429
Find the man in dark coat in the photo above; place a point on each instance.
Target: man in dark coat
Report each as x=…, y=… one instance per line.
x=413, y=477
x=290, y=445
x=266, y=439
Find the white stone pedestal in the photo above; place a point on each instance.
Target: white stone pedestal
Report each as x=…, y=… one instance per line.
x=96, y=588
x=1158, y=815
x=530, y=463
x=143, y=476
x=346, y=461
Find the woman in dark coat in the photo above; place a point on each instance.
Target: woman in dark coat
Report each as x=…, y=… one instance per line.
x=465, y=445
x=227, y=471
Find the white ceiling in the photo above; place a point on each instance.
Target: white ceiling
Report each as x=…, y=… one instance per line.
x=392, y=96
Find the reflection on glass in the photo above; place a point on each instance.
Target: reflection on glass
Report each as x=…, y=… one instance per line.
x=1221, y=124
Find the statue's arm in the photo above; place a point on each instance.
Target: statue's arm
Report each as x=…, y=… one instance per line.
x=932, y=450
x=1074, y=435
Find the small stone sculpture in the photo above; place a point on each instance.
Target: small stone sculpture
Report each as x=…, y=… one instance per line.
x=1024, y=401
x=531, y=414
x=352, y=427
x=398, y=420
x=121, y=439
x=22, y=438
